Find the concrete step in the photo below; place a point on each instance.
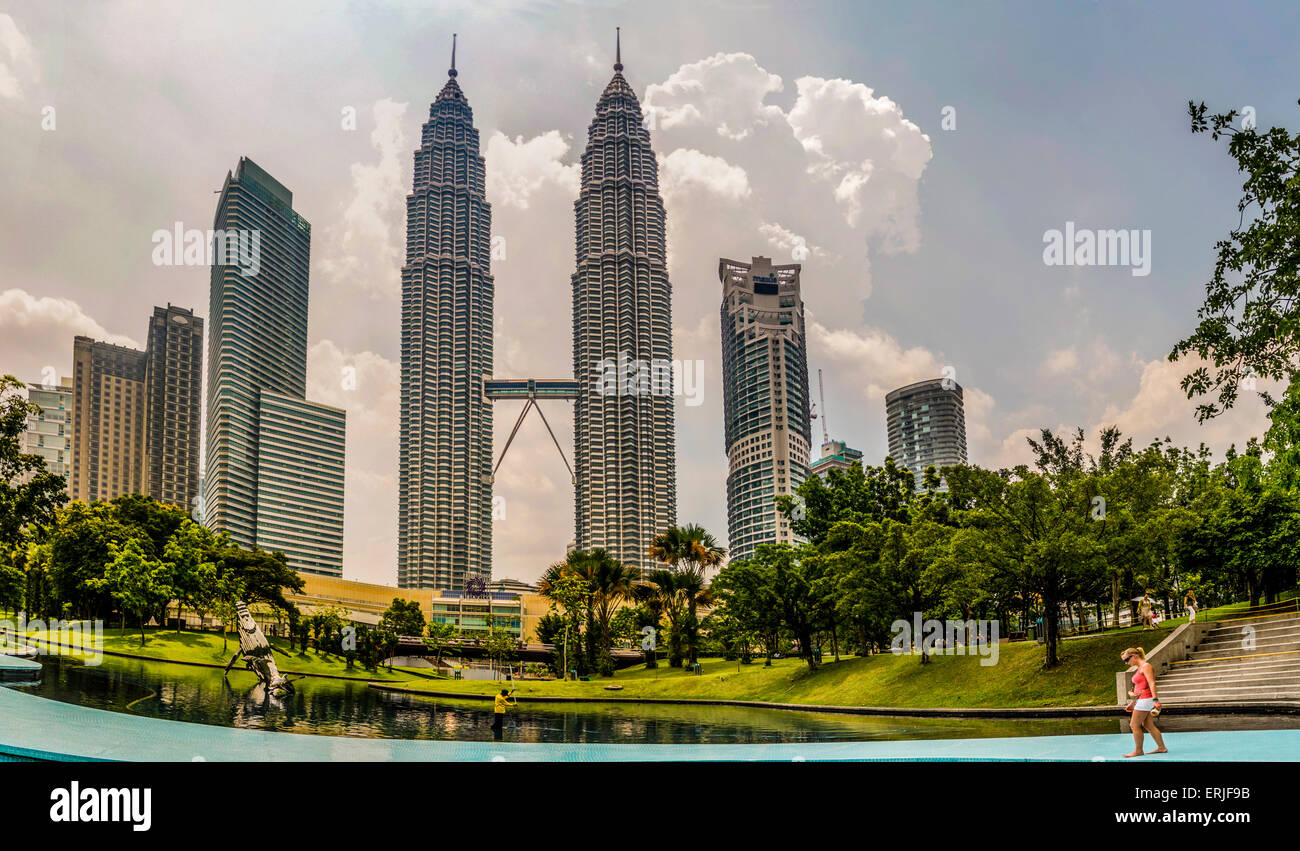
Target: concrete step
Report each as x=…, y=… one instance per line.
x=1276, y=684
x=1212, y=674
x=1226, y=676
x=1243, y=667
x=1235, y=653
x=1288, y=621
x=1235, y=632
x=1243, y=689
x=1231, y=651
x=1221, y=669
x=1290, y=627
x=1259, y=697
x=1282, y=661
x=1240, y=642
x=1230, y=698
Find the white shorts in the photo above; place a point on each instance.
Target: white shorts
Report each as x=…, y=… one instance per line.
x=1145, y=704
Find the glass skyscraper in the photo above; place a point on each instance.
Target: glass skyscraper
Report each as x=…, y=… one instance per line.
x=765, y=398
x=926, y=422
x=624, y=436
x=257, y=361
x=445, y=487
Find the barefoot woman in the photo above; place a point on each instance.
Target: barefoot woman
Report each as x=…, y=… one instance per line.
x=1144, y=700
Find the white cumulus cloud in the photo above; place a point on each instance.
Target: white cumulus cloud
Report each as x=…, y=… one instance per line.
x=364, y=247
x=687, y=169
x=725, y=91
x=517, y=168
x=17, y=58
x=873, y=156
x=38, y=331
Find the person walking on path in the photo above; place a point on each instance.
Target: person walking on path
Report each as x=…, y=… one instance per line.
x=1144, y=705
x=1145, y=609
x=1189, y=603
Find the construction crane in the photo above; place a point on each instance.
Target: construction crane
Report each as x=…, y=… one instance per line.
x=821, y=394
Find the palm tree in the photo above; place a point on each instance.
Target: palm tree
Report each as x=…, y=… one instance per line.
x=689, y=550
x=662, y=596
x=611, y=584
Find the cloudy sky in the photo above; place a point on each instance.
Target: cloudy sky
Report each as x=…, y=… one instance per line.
x=911, y=155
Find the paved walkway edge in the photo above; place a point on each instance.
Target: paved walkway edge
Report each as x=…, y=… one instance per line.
x=1234, y=708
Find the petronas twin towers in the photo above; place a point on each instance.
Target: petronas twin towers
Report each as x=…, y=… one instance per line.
x=625, y=449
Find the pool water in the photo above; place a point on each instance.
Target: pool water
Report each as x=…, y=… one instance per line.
x=347, y=708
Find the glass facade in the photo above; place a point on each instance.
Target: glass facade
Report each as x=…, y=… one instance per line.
x=445, y=464
x=257, y=363
x=765, y=398
x=926, y=422
x=625, y=443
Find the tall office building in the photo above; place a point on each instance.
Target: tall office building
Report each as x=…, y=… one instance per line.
x=624, y=437
x=108, y=420
x=257, y=368
x=926, y=422
x=300, y=449
x=49, y=433
x=765, y=398
x=173, y=396
x=445, y=473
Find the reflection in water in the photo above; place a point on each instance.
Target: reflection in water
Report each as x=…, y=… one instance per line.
x=347, y=708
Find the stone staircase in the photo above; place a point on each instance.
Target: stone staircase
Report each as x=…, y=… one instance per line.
x=1223, y=668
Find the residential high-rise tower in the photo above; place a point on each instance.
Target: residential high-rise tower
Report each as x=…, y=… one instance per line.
x=173, y=385
x=108, y=422
x=49, y=433
x=926, y=422
x=765, y=398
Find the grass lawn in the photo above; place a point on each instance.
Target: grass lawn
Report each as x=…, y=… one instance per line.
x=206, y=648
x=1086, y=677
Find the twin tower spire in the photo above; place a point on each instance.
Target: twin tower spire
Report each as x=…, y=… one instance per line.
x=624, y=442
x=618, y=52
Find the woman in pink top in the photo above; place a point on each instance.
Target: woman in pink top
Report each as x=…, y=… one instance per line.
x=1144, y=701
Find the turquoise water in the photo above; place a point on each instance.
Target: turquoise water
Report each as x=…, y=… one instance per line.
x=345, y=708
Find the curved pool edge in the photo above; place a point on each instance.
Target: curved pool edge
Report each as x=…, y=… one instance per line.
x=38, y=728
x=1262, y=707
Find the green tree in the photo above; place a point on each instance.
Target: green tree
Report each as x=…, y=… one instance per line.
x=570, y=595
x=29, y=493
x=693, y=551
x=1039, y=533
x=500, y=645
x=137, y=582
x=403, y=617
x=661, y=591
x=228, y=591
x=1250, y=320
x=439, y=638
x=747, y=602
x=610, y=584
x=187, y=554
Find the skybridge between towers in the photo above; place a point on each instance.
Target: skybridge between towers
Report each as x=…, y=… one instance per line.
x=532, y=390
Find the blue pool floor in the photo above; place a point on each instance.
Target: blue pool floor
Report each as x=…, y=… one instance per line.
x=37, y=728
